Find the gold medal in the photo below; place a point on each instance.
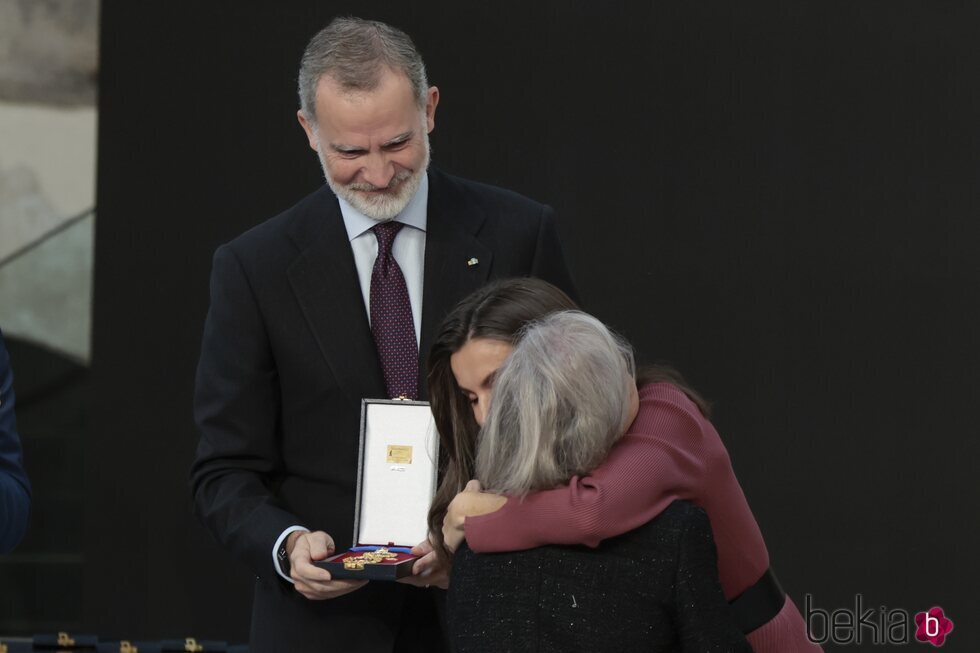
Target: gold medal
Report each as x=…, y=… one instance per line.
x=380, y=555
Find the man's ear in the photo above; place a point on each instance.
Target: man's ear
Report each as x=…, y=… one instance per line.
x=432, y=100
x=310, y=131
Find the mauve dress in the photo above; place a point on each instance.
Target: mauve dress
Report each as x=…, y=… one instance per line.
x=670, y=452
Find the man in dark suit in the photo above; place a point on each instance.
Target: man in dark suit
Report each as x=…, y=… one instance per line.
x=15, y=490
x=335, y=300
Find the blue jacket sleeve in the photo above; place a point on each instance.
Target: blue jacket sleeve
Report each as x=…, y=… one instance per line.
x=15, y=489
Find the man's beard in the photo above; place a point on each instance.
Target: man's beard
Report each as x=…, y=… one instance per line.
x=384, y=206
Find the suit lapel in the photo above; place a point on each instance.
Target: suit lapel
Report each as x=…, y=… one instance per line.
x=452, y=222
x=324, y=279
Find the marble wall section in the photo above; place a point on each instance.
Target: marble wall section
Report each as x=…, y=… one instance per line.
x=49, y=51
x=48, y=118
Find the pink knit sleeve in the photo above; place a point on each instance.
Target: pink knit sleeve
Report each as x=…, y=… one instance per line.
x=662, y=458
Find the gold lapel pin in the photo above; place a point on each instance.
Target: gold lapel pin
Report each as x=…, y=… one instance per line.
x=473, y=261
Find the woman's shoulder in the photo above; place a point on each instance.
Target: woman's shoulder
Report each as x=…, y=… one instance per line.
x=665, y=408
x=668, y=415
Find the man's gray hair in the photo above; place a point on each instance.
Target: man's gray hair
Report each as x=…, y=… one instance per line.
x=560, y=401
x=355, y=52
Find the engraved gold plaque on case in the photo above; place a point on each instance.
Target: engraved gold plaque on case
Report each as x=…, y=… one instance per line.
x=400, y=454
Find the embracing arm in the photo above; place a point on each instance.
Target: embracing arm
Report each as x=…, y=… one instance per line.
x=660, y=459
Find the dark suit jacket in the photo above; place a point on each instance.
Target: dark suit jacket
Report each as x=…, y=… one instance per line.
x=653, y=589
x=287, y=355
x=15, y=490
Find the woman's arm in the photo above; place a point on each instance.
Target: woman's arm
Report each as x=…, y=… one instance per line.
x=663, y=457
x=471, y=502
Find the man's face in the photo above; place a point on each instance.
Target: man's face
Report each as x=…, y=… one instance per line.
x=373, y=146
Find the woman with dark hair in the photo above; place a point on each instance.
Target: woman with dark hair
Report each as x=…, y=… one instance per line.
x=562, y=398
x=669, y=452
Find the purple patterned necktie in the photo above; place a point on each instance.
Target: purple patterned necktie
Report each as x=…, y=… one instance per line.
x=391, y=318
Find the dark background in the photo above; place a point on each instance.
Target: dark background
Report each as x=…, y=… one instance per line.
x=778, y=198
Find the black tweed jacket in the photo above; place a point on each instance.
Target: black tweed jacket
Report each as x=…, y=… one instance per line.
x=653, y=589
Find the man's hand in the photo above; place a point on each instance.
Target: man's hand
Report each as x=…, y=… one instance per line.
x=311, y=581
x=428, y=569
x=471, y=502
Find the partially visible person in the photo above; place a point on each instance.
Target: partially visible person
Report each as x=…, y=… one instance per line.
x=563, y=397
x=671, y=451
x=15, y=489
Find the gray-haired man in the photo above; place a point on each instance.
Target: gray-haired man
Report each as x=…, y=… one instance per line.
x=300, y=330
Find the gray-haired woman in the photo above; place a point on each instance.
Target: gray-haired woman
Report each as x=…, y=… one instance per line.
x=562, y=398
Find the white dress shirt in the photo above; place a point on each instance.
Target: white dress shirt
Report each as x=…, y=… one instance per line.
x=408, y=248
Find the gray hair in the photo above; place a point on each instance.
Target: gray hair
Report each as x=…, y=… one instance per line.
x=355, y=52
x=560, y=401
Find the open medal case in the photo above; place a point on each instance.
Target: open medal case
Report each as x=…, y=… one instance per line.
x=396, y=481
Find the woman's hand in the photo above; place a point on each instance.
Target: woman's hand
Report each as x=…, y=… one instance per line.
x=429, y=569
x=471, y=502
